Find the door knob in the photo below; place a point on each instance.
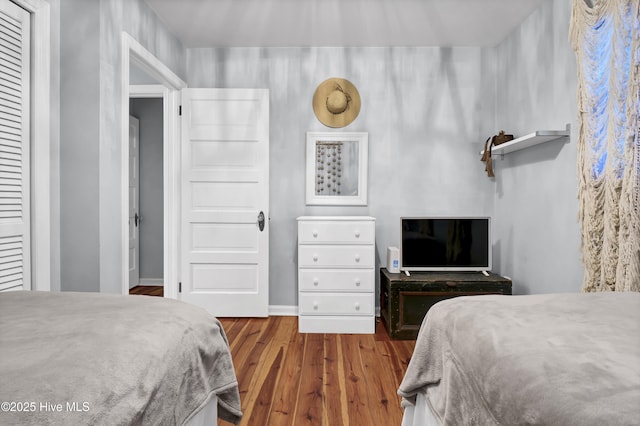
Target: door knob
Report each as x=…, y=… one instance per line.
x=136, y=219
x=261, y=221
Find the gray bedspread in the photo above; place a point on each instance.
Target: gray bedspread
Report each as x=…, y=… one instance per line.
x=87, y=358
x=557, y=359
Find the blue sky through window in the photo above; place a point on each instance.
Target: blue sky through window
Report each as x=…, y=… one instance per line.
x=605, y=70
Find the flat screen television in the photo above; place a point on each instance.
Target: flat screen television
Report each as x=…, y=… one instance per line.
x=445, y=244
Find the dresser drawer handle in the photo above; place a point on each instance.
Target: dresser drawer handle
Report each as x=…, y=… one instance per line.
x=315, y=234
x=315, y=281
x=315, y=306
x=357, y=233
x=357, y=306
x=315, y=257
x=357, y=258
x=357, y=282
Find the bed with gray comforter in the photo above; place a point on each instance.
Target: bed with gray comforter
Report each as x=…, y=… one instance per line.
x=86, y=358
x=556, y=359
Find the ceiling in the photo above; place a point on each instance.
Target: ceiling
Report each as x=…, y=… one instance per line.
x=371, y=23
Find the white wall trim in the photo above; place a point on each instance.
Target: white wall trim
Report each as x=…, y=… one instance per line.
x=147, y=91
x=169, y=90
x=40, y=143
x=283, y=310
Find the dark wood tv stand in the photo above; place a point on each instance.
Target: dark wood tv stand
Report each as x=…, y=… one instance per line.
x=405, y=300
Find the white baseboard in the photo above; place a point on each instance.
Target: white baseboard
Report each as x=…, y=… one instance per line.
x=151, y=281
x=283, y=311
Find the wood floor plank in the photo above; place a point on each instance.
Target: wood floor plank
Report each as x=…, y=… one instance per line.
x=276, y=338
x=148, y=290
x=334, y=400
x=261, y=403
x=382, y=404
x=356, y=384
x=309, y=404
x=395, y=365
x=286, y=394
x=279, y=346
x=237, y=326
x=245, y=352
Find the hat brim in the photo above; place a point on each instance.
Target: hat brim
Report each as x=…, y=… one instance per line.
x=325, y=116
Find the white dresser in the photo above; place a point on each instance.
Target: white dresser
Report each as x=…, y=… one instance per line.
x=336, y=274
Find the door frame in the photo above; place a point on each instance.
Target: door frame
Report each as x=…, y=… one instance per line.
x=169, y=90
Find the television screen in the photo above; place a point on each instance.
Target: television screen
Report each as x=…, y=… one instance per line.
x=445, y=244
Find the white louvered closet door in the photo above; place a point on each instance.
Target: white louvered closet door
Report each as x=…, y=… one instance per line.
x=15, y=267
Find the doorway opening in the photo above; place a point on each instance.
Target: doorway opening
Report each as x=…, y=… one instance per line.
x=146, y=211
x=152, y=80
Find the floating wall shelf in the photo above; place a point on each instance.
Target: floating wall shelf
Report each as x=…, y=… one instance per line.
x=535, y=138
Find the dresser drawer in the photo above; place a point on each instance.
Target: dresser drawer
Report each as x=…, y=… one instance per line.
x=335, y=304
x=336, y=280
x=335, y=256
x=344, y=232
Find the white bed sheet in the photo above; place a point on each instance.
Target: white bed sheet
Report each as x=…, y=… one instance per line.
x=207, y=416
x=419, y=414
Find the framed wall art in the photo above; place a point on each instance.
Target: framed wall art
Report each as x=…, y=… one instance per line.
x=337, y=168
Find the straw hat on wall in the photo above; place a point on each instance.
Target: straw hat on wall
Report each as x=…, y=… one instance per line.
x=336, y=102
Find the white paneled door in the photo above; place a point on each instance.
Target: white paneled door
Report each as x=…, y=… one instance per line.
x=225, y=201
x=134, y=201
x=15, y=223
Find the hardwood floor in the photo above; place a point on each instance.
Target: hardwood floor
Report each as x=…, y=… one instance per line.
x=148, y=290
x=287, y=378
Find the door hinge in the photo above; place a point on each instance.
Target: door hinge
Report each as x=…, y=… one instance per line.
x=179, y=287
x=180, y=110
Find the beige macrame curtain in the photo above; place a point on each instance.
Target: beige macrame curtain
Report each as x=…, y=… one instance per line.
x=605, y=35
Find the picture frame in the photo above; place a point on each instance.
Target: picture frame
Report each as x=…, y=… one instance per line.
x=337, y=168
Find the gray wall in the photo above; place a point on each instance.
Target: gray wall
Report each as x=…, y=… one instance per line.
x=90, y=154
x=424, y=109
x=537, y=233
x=427, y=111
x=79, y=145
x=149, y=112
